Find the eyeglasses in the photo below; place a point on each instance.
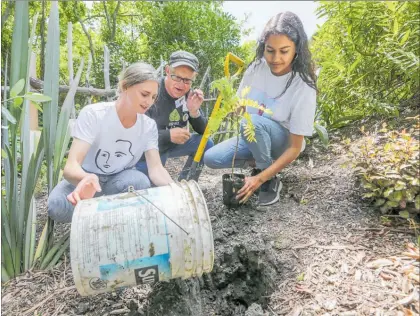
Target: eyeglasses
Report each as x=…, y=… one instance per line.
x=184, y=80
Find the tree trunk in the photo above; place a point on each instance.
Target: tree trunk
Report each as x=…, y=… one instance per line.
x=92, y=51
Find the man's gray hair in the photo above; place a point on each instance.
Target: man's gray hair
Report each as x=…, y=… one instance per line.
x=136, y=73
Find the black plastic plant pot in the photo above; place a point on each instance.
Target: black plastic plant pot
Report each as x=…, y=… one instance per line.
x=232, y=183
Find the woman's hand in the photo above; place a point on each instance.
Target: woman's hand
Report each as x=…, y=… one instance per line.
x=85, y=189
x=251, y=185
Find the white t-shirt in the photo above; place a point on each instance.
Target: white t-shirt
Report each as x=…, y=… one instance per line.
x=295, y=109
x=113, y=147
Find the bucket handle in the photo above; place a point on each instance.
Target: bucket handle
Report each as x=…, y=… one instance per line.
x=131, y=190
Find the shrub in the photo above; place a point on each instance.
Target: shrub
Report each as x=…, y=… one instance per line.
x=388, y=165
x=368, y=55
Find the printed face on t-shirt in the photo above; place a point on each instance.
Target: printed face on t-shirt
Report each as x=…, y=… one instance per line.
x=108, y=160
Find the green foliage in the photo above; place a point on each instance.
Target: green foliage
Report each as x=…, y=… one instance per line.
x=369, y=58
x=201, y=27
x=133, y=31
x=389, y=168
x=23, y=155
x=232, y=107
x=322, y=133
x=232, y=110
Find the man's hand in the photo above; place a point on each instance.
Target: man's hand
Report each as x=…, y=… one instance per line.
x=85, y=189
x=179, y=135
x=250, y=186
x=194, y=101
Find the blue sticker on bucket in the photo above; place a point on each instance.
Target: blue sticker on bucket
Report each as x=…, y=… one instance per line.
x=109, y=271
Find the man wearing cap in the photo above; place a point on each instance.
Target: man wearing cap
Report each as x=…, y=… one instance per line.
x=177, y=103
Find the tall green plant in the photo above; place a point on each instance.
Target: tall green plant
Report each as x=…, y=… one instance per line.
x=18, y=212
x=56, y=133
x=17, y=204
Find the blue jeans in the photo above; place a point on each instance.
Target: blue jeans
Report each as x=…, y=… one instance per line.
x=189, y=149
x=61, y=210
x=272, y=141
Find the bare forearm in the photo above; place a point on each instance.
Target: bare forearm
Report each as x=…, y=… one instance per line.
x=160, y=176
x=73, y=173
x=287, y=157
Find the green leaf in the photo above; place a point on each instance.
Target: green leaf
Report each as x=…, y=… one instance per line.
x=400, y=185
x=410, y=195
x=3, y=154
x=354, y=64
x=19, y=54
x=392, y=204
x=55, y=249
x=301, y=277
x=5, y=112
x=379, y=202
x=396, y=27
x=63, y=128
x=388, y=192
x=38, y=107
x=58, y=254
x=51, y=88
x=17, y=101
x=417, y=202
x=396, y=196
x=405, y=37
x=404, y=214
x=322, y=133
x=369, y=195
x=17, y=88
x=37, y=97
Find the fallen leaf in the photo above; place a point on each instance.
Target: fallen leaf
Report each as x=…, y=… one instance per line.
x=414, y=296
x=5, y=299
x=386, y=276
x=358, y=275
x=344, y=268
x=379, y=263
x=412, y=255
x=329, y=305
x=405, y=287
x=407, y=312
x=414, y=277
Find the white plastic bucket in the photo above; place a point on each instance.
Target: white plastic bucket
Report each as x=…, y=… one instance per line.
x=138, y=238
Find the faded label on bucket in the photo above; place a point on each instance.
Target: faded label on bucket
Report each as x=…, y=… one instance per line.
x=147, y=275
x=142, y=269
x=105, y=205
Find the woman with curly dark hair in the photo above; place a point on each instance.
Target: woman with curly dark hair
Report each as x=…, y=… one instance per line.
x=281, y=79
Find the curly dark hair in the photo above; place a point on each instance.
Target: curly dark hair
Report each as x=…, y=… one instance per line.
x=289, y=24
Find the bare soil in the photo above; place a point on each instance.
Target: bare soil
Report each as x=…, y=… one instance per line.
x=315, y=252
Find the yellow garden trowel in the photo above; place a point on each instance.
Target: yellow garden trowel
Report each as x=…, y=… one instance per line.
x=195, y=170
